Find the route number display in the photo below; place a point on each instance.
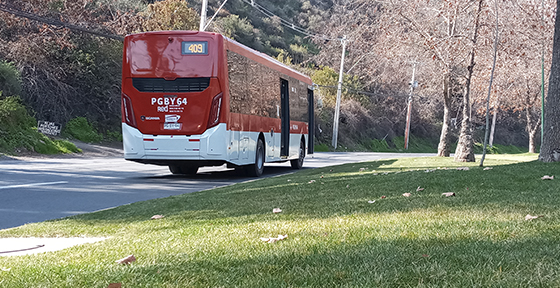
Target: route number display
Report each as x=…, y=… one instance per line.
x=197, y=48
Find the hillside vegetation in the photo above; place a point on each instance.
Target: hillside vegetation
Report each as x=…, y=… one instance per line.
x=66, y=74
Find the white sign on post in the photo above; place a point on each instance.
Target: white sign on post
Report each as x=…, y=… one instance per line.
x=49, y=128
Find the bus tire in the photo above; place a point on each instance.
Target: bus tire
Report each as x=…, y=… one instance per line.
x=183, y=169
x=298, y=163
x=256, y=170
x=175, y=169
x=189, y=170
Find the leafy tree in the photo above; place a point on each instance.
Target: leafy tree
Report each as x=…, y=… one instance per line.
x=169, y=15
x=327, y=79
x=10, y=79
x=241, y=30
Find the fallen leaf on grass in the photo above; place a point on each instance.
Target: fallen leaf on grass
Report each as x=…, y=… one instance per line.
x=463, y=168
x=531, y=217
x=311, y=181
x=448, y=194
x=276, y=210
x=371, y=201
x=115, y=285
x=487, y=168
x=272, y=240
x=425, y=255
x=157, y=217
x=546, y=177
x=419, y=189
x=127, y=260
x=383, y=197
x=406, y=194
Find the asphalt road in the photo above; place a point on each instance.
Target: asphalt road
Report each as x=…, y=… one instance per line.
x=34, y=190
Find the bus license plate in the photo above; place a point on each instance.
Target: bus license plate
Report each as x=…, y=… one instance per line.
x=172, y=126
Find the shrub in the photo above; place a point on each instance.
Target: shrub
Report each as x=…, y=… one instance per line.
x=18, y=131
x=377, y=145
x=79, y=128
x=415, y=145
x=321, y=148
x=10, y=79
x=114, y=136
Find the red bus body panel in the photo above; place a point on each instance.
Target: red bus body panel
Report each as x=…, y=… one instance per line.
x=158, y=55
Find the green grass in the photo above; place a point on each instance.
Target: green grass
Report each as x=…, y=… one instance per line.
x=336, y=238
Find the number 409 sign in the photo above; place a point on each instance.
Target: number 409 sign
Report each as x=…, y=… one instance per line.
x=197, y=48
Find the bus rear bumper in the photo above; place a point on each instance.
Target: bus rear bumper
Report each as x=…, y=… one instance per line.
x=168, y=149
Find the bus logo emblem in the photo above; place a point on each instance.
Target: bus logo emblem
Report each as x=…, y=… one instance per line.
x=172, y=118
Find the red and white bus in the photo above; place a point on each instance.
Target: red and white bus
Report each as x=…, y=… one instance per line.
x=192, y=99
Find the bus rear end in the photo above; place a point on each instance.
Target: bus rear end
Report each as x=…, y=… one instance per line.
x=172, y=99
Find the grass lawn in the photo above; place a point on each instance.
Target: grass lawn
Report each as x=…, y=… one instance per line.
x=336, y=238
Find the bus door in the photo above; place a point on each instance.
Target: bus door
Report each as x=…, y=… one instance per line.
x=311, y=123
x=285, y=116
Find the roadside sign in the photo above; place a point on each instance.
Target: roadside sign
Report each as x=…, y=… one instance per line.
x=49, y=128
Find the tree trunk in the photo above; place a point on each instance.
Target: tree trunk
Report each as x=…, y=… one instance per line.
x=532, y=130
x=532, y=141
x=465, y=151
x=443, y=147
x=493, y=128
x=550, y=147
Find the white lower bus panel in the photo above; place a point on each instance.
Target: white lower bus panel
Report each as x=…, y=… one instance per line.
x=214, y=147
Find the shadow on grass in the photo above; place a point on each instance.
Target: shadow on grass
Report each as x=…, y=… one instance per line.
x=345, y=190
x=429, y=262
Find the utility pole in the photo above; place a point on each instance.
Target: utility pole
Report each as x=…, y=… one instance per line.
x=203, y=15
x=338, y=94
x=413, y=85
x=542, y=75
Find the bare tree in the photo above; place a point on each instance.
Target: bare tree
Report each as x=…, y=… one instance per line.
x=550, y=148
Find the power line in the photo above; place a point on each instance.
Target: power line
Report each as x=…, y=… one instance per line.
x=360, y=91
x=10, y=9
x=286, y=23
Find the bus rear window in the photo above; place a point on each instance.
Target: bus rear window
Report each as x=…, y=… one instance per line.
x=179, y=85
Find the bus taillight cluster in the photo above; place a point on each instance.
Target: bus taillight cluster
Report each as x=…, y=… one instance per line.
x=215, y=110
x=128, y=113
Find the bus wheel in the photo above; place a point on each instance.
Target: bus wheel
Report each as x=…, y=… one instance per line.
x=189, y=170
x=298, y=163
x=257, y=169
x=175, y=169
x=183, y=169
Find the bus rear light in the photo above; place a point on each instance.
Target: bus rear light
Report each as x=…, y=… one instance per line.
x=128, y=113
x=215, y=111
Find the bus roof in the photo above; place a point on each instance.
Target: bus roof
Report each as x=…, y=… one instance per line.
x=240, y=49
x=266, y=60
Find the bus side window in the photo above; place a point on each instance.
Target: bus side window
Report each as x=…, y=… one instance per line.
x=237, y=71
